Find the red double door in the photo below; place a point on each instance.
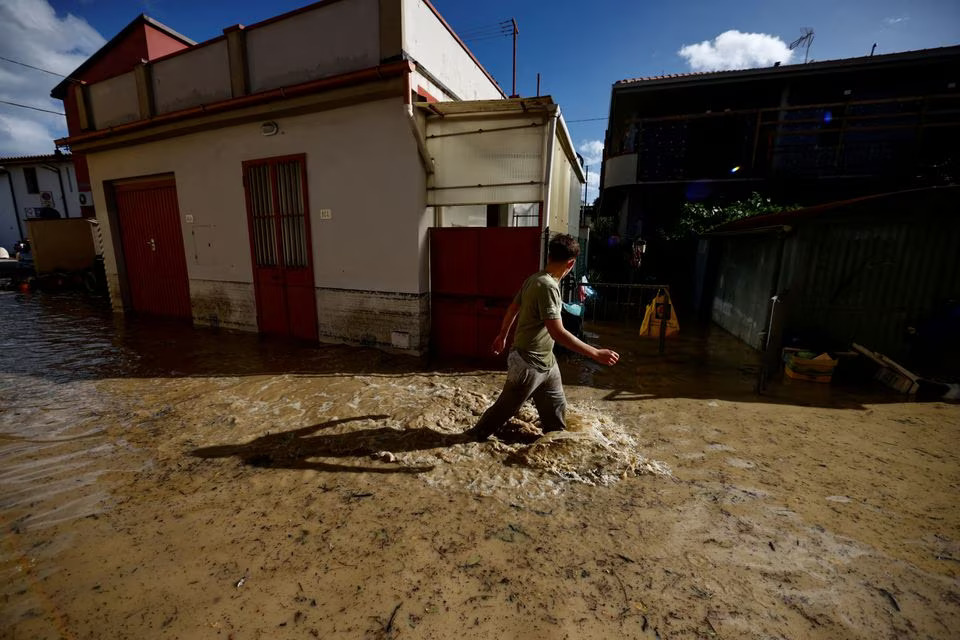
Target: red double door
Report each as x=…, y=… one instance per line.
x=279, y=223
x=156, y=266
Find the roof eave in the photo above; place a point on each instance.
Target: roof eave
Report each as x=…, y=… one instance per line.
x=59, y=92
x=812, y=68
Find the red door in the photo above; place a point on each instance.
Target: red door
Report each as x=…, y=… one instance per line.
x=279, y=223
x=153, y=254
x=470, y=294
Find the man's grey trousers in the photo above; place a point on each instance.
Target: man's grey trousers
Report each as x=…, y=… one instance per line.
x=524, y=382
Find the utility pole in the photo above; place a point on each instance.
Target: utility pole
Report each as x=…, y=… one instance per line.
x=515, y=33
x=585, y=183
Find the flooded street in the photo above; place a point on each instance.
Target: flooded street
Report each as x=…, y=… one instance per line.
x=158, y=481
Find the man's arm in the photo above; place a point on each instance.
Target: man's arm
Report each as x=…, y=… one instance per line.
x=500, y=342
x=559, y=333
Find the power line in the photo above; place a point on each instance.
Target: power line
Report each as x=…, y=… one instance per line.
x=499, y=36
x=30, y=66
x=26, y=106
x=587, y=120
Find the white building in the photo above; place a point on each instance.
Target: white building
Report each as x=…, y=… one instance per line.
x=280, y=179
x=32, y=186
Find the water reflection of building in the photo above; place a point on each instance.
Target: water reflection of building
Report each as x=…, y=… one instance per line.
x=283, y=177
x=806, y=134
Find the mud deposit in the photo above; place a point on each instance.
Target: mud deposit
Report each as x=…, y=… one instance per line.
x=160, y=482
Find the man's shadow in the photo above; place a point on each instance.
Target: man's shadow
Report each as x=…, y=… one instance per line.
x=293, y=449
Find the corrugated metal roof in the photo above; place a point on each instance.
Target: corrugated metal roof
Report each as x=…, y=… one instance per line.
x=464, y=107
x=53, y=157
x=792, y=68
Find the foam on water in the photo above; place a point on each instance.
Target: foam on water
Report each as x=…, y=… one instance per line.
x=594, y=450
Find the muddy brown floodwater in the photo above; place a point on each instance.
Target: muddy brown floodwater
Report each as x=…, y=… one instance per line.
x=163, y=482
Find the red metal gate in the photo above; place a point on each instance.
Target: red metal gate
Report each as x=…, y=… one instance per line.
x=279, y=223
x=475, y=272
x=156, y=265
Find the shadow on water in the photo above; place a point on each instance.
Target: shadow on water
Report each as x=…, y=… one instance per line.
x=293, y=449
x=67, y=337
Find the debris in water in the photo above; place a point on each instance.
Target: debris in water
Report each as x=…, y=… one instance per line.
x=893, y=601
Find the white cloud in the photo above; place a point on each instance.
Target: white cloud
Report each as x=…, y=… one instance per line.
x=592, y=151
x=736, y=50
x=893, y=21
x=32, y=33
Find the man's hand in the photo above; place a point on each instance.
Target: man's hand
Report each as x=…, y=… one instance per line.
x=607, y=357
x=499, y=344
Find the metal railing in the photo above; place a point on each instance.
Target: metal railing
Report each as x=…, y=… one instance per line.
x=625, y=303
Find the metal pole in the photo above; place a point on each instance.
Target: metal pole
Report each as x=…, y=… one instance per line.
x=515, y=32
x=586, y=168
x=13, y=196
x=538, y=85
x=667, y=310
x=63, y=195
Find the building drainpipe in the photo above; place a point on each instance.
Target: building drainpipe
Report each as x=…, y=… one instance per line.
x=551, y=134
x=16, y=209
x=63, y=195
x=771, y=359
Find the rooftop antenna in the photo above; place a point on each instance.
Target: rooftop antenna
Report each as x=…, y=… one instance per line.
x=515, y=33
x=805, y=39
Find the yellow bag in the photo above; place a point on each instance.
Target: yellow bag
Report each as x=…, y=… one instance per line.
x=653, y=317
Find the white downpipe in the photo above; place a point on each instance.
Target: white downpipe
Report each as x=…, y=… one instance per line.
x=549, y=138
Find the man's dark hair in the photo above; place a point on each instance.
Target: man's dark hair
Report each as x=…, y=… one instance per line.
x=563, y=247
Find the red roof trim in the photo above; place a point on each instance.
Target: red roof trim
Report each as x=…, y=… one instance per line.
x=60, y=91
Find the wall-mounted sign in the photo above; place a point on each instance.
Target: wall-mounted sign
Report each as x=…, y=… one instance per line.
x=86, y=198
x=29, y=212
x=46, y=198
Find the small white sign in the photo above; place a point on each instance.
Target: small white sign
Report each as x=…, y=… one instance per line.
x=188, y=218
x=46, y=198
x=86, y=198
x=326, y=214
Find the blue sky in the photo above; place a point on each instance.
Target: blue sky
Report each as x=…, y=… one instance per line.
x=579, y=48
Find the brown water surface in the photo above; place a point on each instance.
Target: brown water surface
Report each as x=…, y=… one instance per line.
x=161, y=481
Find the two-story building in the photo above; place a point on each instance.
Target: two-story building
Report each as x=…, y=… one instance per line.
x=801, y=134
x=283, y=177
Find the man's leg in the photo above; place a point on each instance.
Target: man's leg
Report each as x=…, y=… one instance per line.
x=551, y=403
x=521, y=381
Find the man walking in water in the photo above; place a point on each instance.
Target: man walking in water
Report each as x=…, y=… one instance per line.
x=531, y=366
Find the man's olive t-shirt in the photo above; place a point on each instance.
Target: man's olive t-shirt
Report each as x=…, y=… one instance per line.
x=539, y=300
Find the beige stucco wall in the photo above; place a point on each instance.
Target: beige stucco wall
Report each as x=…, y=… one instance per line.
x=574, y=202
x=559, y=190
x=325, y=41
x=114, y=101
x=428, y=42
x=362, y=165
x=199, y=76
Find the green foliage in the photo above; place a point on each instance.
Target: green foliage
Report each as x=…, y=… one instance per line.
x=697, y=218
